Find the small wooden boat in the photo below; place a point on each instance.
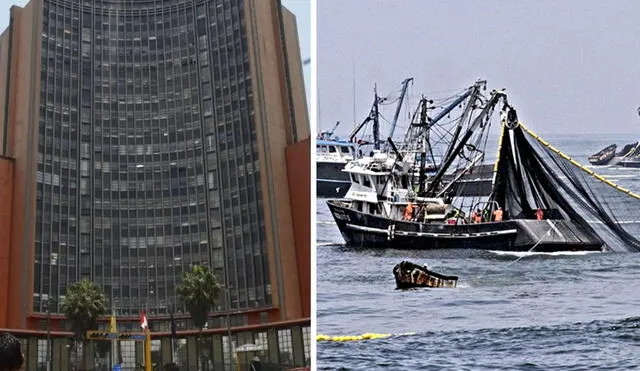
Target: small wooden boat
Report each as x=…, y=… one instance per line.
x=603, y=157
x=410, y=275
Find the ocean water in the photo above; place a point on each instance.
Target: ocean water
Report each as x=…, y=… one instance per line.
x=526, y=311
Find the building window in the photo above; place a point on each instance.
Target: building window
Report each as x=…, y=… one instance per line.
x=285, y=347
x=306, y=338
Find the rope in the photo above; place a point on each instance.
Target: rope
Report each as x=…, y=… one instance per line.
x=530, y=250
x=536, y=244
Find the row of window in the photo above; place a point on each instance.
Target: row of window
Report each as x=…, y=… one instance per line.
x=71, y=8
x=244, y=274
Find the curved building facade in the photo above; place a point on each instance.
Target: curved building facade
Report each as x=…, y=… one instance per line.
x=152, y=137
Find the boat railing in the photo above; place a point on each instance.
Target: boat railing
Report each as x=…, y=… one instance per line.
x=487, y=207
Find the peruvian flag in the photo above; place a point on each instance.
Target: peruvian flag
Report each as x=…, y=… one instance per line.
x=143, y=320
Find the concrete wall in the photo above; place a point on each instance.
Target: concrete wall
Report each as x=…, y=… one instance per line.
x=274, y=118
x=296, y=78
x=4, y=64
x=6, y=204
x=299, y=170
x=22, y=120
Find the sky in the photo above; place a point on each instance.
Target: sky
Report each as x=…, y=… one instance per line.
x=568, y=66
x=301, y=8
x=302, y=11
x=4, y=11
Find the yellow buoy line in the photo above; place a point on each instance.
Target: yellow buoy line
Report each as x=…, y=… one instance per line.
x=577, y=164
x=367, y=336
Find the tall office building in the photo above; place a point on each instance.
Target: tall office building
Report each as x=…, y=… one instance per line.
x=138, y=137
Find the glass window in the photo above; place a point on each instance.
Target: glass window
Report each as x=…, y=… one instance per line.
x=285, y=347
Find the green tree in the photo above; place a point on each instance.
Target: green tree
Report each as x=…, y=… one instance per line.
x=83, y=304
x=199, y=292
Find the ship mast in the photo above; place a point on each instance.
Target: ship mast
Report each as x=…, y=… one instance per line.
x=374, y=115
x=376, y=121
x=418, y=139
x=496, y=97
x=474, y=92
x=405, y=85
x=425, y=141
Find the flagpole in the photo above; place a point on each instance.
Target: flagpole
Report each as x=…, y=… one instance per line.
x=144, y=323
x=147, y=350
x=144, y=352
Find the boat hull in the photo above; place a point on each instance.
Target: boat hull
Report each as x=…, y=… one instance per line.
x=606, y=161
x=326, y=188
x=361, y=229
x=603, y=157
x=409, y=275
x=331, y=181
x=630, y=163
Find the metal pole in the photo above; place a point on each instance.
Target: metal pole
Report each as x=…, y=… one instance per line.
x=228, y=285
x=229, y=322
x=147, y=349
x=173, y=351
x=48, y=337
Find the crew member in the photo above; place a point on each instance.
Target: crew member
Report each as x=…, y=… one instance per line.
x=497, y=215
x=476, y=216
x=408, y=211
x=539, y=214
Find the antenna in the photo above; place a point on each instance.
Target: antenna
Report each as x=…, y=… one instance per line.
x=353, y=76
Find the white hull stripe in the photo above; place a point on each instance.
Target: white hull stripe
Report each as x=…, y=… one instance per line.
x=425, y=234
x=334, y=181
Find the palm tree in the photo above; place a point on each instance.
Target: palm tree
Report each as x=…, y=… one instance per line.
x=199, y=292
x=83, y=304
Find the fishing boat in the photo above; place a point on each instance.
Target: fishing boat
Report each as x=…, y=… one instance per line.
x=631, y=158
x=628, y=151
x=387, y=207
x=410, y=275
x=604, y=156
x=626, y=157
x=633, y=162
x=332, y=154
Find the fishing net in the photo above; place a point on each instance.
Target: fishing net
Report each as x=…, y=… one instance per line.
x=533, y=175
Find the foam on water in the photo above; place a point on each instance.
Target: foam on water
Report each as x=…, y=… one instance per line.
x=522, y=254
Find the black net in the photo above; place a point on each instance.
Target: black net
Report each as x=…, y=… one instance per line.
x=532, y=175
x=629, y=150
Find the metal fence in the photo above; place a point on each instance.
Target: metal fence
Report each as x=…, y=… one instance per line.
x=274, y=347
x=214, y=367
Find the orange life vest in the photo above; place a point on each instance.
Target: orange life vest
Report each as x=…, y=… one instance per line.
x=408, y=211
x=476, y=217
x=498, y=215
